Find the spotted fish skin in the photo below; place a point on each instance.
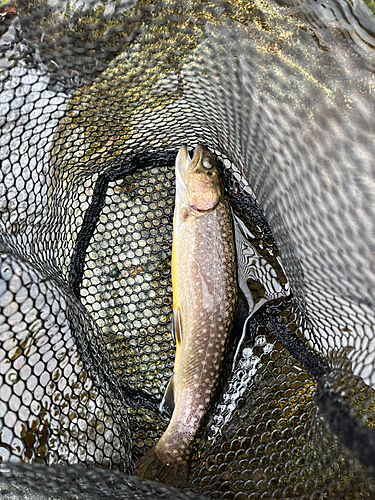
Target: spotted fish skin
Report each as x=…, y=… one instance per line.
x=204, y=303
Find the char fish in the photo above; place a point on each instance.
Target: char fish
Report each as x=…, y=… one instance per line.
x=204, y=303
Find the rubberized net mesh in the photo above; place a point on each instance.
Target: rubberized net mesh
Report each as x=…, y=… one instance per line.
x=96, y=99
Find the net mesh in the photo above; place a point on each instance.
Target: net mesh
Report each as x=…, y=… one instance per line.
x=96, y=99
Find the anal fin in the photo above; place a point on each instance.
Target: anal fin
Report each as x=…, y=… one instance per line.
x=167, y=403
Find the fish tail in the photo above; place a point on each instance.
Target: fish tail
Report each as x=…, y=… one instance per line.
x=159, y=467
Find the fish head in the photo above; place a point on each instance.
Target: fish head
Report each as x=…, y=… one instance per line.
x=200, y=178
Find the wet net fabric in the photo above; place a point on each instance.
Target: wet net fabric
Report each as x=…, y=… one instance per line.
x=96, y=99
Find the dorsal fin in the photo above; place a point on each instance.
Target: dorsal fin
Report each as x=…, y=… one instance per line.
x=176, y=326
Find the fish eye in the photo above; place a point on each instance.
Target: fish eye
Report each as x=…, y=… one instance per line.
x=207, y=162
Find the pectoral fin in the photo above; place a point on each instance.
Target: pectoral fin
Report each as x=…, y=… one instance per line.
x=167, y=403
x=176, y=326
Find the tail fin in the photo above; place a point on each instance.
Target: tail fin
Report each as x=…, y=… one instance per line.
x=151, y=466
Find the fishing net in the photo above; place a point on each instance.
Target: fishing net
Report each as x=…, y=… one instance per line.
x=96, y=99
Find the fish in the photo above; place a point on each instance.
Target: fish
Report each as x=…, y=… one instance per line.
x=204, y=285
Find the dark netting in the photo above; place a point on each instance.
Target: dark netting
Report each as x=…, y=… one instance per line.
x=96, y=99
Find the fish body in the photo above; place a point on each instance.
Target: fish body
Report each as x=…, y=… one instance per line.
x=204, y=302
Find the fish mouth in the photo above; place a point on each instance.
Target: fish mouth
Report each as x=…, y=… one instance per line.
x=185, y=161
x=194, y=160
